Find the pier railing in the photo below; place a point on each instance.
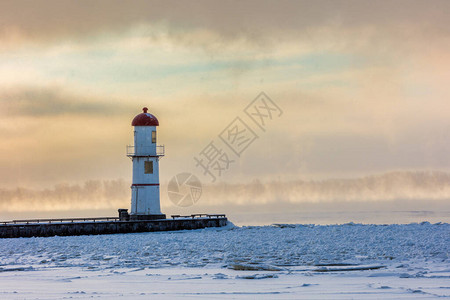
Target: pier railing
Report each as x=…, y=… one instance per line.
x=193, y=216
x=69, y=220
x=72, y=220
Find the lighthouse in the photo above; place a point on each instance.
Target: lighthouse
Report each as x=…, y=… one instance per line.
x=145, y=154
x=145, y=213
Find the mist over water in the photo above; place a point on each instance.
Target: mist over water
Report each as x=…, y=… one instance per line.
x=397, y=197
x=341, y=217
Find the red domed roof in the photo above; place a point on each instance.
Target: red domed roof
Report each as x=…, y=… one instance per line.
x=145, y=119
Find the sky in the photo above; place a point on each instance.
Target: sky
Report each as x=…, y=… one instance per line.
x=361, y=86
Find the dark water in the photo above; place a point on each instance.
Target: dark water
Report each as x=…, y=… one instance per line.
x=340, y=217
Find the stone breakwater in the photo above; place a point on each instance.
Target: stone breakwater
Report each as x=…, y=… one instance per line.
x=106, y=227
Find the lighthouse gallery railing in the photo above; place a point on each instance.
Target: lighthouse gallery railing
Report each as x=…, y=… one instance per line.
x=145, y=151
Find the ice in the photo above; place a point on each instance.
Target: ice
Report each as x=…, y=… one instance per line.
x=285, y=261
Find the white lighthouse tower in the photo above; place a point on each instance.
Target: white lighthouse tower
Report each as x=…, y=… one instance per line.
x=145, y=154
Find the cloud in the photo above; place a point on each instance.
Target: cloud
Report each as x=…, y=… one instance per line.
x=258, y=21
x=54, y=101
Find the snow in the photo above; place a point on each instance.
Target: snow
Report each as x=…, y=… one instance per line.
x=282, y=261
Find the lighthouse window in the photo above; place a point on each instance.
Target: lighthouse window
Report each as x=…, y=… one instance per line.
x=153, y=136
x=148, y=167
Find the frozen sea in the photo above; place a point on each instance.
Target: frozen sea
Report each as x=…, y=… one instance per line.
x=279, y=261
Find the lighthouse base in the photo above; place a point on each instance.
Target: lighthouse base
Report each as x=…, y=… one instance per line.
x=147, y=217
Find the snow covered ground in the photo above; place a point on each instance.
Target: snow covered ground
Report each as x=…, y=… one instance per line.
x=280, y=261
